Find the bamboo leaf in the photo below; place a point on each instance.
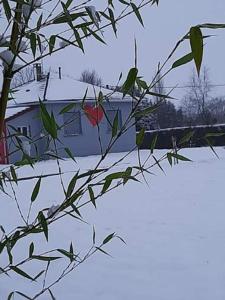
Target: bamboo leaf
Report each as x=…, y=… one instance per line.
x=115, y=125
x=137, y=13
x=196, y=41
x=21, y=272
x=130, y=81
x=45, y=258
x=44, y=223
x=31, y=249
x=92, y=196
x=140, y=137
x=108, y=238
x=183, y=60
x=7, y=9
x=36, y=190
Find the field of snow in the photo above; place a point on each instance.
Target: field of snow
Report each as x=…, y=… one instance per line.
x=174, y=230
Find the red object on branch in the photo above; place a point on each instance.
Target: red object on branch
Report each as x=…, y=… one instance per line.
x=94, y=114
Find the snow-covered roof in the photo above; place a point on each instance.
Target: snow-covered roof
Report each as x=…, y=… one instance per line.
x=61, y=89
x=12, y=111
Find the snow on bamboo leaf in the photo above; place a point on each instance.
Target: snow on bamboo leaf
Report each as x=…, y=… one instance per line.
x=196, y=42
x=36, y=190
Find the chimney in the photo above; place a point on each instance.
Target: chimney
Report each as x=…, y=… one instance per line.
x=38, y=71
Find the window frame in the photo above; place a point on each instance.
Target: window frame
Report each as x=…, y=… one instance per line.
x=28, y=129
x=79, y=120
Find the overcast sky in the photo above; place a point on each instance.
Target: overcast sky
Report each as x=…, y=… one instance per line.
x=164, y=25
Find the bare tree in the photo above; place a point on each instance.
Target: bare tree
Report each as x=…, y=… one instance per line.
x=197, y=98
x=91, y=77
x=23, y=76
x=217, y=109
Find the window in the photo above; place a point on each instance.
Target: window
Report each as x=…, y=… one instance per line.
x=24, y=130
x=72, y=123
x=110, y=116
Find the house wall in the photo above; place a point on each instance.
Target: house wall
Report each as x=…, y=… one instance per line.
x=86, y=143
x=30, y=119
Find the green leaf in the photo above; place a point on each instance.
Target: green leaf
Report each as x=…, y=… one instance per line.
x=78, y=39
x=169, y=158
x=7, y=9
x=93, y=236
x=13, y=173
x=159, y=95
x=141, y=83
x=52, y=43
x=106, y=185
x=153, y=143
x=36, y=190
x=146, y=111
x=177, y=156
x=112, y=19
x=39, y=23
x=130, y=81
x=72, y=17
x=92, y=196
x=115, y=125
x=183, y=60
x=108, y=238
x=215, y=134
x=211, y=146
x=186, y=138
x=71, y=185
x=33, y=43
x=140, y=137
x=21, y=272
x=67, y=108
x=44, y=224
x=48, y=121
x=45, y=258
x=31, y=249
x=67, y=254
x=103, y=251
x=70, y=154
x=196, y=41
x=97, y=37
x=137, y=13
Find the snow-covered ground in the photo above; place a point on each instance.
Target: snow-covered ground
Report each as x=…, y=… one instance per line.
x=174, y=229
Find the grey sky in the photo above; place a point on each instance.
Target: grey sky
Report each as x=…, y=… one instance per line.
x=163, y=27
